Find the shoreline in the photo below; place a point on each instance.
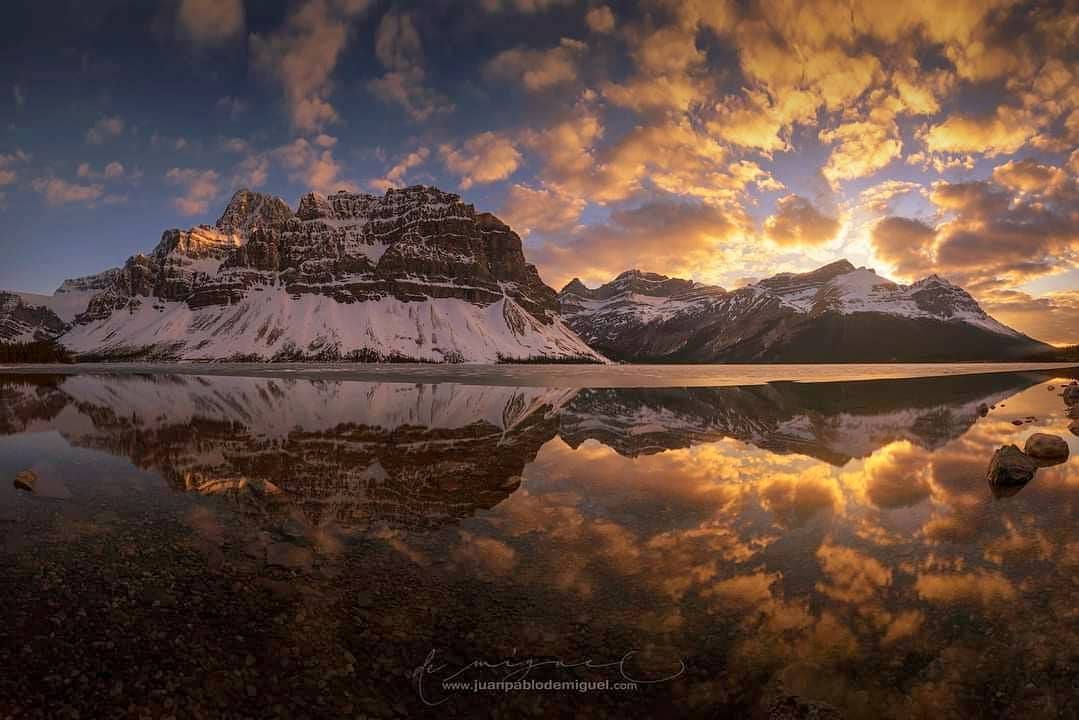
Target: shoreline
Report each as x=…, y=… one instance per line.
x=555, y=375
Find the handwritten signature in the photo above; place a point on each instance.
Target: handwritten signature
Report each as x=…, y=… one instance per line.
x=519, y=669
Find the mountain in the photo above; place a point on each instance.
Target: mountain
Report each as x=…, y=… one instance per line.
x=419, y=456
x=354, y=453
x=836, y=313
x=29, y=317
x=833, y=422
x=415, y=274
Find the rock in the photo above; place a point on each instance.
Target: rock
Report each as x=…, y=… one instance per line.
x=1071, y=394
x=1052, y=388
x=1017, y=422
x=1046, y=449
x=983, y=409
x=792, y=707
x=25, y=480
x=1074, y=427
x=1010, y=467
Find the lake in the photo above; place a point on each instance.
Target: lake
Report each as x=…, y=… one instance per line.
x=206, y=541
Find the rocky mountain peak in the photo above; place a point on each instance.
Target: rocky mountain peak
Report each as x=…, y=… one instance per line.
x=414, y=273
x=248, y=209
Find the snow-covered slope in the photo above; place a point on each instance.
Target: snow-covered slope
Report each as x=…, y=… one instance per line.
x=415, y=274
x=835, y=313
x=27, y=317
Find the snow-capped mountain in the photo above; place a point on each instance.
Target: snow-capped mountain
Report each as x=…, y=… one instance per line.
x=355, y=453
x=834, y=313
x=415, y=274
x=28, y=317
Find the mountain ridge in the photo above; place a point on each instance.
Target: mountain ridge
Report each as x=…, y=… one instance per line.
x=414, y=274
x=417, y=274
x=835, y=313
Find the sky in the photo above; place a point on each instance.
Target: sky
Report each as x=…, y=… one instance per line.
x=720, y=141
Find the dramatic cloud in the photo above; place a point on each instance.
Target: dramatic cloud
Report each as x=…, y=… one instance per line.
x=1028, y=176
x=681, y=238
x=1003, y=131
x=797, y=222
x=399, y=49
x=539, y=69
x=879, y=199
x=485, y=158
x=539, y=210
x=57, y=191
x=302, y=56
x=904, y=244
x=199, y=186
x=105, y=129
x=211, y=22
x=312, y=167
x=861, y=148
x=993, y=237
x=395, y=176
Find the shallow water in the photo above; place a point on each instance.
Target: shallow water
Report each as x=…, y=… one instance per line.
x=557, y=375
x=201, y=546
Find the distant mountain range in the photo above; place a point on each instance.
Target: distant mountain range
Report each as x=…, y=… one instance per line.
x=418, y=275
x=836, y=313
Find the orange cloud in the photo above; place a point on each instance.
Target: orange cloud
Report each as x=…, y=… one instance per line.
x=797, y=222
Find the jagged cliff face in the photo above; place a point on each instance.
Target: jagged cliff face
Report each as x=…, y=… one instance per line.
x=413, y=274
x=29, y=317
x=22, y=322
x=835, y=313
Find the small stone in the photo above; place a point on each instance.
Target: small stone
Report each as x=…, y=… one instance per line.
x=1017, y=422
x=1074, y=427
x=25, y=480
x=1071, y=394
x=983, y=409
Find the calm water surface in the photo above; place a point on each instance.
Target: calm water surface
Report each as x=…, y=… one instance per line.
x=219, y=546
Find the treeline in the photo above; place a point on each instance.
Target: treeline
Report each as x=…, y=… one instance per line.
x=1069, y=353
x=34, y=352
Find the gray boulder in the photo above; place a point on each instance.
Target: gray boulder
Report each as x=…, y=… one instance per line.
x=1046, y=449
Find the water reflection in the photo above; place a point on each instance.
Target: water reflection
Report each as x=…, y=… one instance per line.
x=837, y=541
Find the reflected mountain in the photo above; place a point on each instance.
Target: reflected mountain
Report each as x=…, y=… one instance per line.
x=419, y=456
x=834, y=422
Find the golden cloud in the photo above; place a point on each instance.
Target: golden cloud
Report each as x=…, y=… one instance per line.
x=529, y=209
x=484, y=158
x=673, y=237
x=797, y=222
x=1001, y=132
x=539, y=70
x=862, y=148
